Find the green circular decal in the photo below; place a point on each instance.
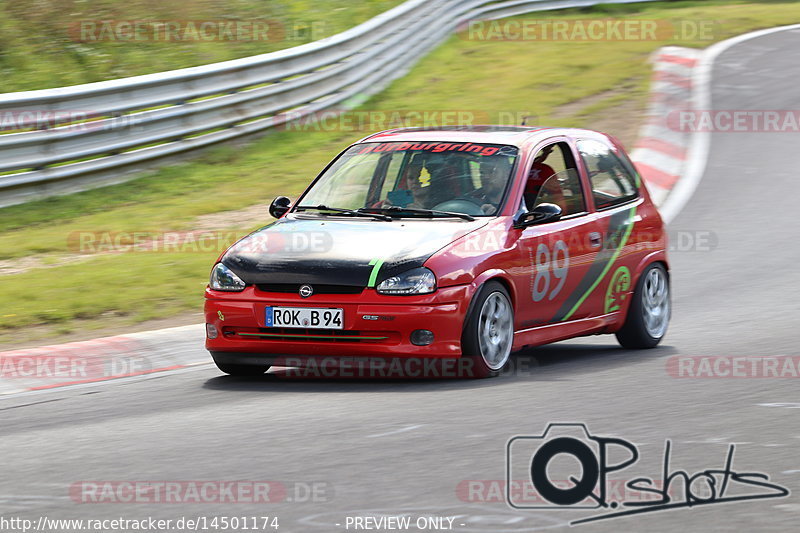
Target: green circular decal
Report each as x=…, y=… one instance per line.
x=618, y=289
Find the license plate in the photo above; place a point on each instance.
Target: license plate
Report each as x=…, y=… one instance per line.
x=304, y=317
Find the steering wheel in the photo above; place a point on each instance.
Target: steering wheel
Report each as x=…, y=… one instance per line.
x=468, y=206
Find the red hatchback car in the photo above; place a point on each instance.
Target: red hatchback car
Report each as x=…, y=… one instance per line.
x=462, y=244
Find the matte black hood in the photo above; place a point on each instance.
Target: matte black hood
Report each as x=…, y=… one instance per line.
x=335, y=251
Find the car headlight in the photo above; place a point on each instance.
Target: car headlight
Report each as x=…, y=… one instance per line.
x=223, y=279
x=416, y=281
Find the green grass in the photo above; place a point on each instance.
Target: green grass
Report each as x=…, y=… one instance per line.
x=494, y=77
x=38, y=50
x=111, y=285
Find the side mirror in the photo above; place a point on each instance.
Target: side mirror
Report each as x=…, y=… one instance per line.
x=279, y=206
x=541, y=214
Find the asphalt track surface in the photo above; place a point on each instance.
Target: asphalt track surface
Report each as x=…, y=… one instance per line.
x=393, y=447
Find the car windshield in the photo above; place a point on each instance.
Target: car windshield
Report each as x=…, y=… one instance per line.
x=408, y=179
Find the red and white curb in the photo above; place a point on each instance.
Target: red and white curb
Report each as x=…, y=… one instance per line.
x=120, y=356
x=661, y=153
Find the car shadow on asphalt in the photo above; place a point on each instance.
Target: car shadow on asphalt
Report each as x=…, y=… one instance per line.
x=554, y=362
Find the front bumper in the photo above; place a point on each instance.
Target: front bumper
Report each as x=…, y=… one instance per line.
x=239, y=319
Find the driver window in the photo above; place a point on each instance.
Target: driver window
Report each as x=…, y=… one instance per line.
x=553, y=178
x=612, y=182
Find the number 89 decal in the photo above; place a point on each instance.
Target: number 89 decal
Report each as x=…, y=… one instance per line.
x=549, y=265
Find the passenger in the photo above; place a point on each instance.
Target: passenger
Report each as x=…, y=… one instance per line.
x=419, y=190
x=543, y=185
x=411, y=182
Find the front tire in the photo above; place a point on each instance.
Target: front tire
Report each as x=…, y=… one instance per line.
x=488, y=332
x=649, y=312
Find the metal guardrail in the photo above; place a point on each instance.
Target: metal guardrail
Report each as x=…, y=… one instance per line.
x=136, y=123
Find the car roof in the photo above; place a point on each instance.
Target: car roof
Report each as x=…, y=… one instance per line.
x=519, y=136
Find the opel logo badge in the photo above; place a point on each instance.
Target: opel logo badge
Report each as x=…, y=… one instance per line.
x=306, y=291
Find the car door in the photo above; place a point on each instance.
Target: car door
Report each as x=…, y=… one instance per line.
x=557, y=255
x=616, y=200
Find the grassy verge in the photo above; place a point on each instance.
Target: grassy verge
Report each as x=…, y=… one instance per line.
x=496, y=78
x=41, y=44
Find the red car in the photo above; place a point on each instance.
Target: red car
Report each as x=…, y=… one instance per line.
x=461, y=244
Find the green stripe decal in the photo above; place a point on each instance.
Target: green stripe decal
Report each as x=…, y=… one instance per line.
x=608, y=266
x=299, y=336
x=373, y=275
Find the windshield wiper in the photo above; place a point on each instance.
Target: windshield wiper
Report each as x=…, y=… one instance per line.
x=427, y=212
x=346, y=212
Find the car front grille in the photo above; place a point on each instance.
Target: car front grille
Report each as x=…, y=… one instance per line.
x=318, y=289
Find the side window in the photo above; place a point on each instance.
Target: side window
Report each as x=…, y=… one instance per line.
x=553, y=178
x=612, y=181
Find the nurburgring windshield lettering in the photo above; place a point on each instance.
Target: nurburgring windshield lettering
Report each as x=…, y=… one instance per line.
x=460, y=178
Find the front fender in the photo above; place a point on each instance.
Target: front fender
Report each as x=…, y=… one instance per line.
x=478, y=282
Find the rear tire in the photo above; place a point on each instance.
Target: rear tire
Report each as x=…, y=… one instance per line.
x=488, y=332
x=242, y=370
x=649, y=312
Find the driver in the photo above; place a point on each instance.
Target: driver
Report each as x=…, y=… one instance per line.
x=494, y=175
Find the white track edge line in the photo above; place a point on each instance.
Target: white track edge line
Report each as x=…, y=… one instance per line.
x=697, y=158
